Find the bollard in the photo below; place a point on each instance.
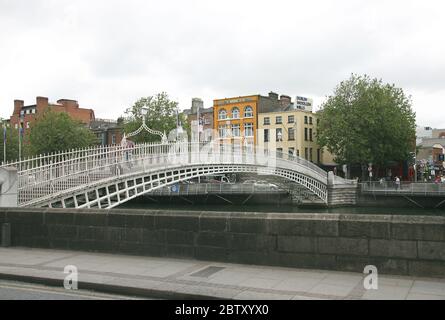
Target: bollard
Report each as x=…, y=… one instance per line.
x=6, y=235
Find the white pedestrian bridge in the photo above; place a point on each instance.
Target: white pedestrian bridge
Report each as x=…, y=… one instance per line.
x=107, y=176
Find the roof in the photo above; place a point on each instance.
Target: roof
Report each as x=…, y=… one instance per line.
x=201, y=111
x=431, y=142
x=102, y=124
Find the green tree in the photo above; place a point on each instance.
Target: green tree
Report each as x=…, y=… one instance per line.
x=56, y=131
x=161, y=116
x=367, y=121
x=12, y=144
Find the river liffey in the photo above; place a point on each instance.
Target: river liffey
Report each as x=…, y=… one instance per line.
x=183, y=204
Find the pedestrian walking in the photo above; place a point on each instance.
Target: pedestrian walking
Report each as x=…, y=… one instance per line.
x=397, y=183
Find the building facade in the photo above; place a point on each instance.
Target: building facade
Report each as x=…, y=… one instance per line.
x=23, y=116
x=108, y=132
x=205, y=128
x=291, y=132
x=236, y=119
x=438, y=133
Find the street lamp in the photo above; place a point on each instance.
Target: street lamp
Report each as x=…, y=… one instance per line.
x=22, y=117
x=144, y=112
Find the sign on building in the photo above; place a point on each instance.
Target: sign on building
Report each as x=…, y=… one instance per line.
x=304, y=103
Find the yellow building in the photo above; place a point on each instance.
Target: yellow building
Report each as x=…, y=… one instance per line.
x=236, y=119
x=292, y=132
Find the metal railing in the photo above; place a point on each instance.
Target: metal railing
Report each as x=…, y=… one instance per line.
x=46, y=175
x=405, y=188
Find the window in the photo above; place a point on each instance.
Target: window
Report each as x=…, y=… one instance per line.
x=266, y=120
x=222, y=114
x=305, y=134
x=278, y=120
x=235, y=113
x=291, y=134
x=279, y=134
x=310, y=120
x=248, y=112
x=318, y=156
x=206, y=121
x=306, y=151
x=298, y=153
x=290, y=119
x=279, y=152
x=310, y=154
x=266, y=135
x=222, y=131
x=305, y=119
x=33, y=111
x=27, y=124
x=236, y=130
x=248, y=130
x=291, y=153
x=310, y=134
x=28, y=111
x=113, y=139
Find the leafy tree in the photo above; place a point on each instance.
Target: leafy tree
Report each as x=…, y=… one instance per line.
x=161, y=116
x=55, y=131
x=367, y=121
x=12, y=144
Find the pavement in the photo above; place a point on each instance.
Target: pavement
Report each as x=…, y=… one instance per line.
x=169, y=278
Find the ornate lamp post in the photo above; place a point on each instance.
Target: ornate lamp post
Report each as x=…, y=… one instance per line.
x=144, y=126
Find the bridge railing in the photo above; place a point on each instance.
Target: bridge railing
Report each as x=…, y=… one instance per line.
x=50, y=174
x=405, y=188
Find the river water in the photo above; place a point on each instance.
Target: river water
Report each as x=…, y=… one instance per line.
x=141, y=203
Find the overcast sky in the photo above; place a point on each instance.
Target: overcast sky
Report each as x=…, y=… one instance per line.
x=107, y=54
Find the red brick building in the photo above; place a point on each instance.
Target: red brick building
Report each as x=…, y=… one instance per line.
x=108, y=132
x=27, y=114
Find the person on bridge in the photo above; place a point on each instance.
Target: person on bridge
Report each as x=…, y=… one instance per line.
x=397, y=183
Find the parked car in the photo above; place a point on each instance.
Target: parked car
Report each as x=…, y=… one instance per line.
x=262, y=184
x=266, y=184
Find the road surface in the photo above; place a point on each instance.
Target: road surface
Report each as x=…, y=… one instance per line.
x=11, y=290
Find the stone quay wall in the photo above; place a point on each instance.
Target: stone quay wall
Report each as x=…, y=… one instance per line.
x=395, y=244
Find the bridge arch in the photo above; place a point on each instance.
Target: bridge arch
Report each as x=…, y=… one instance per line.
x=108, y=176
x=113, y=193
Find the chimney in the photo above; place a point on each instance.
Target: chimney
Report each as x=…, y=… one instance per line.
x=196, y=103
x=273, y=95
x=284, y=101
x=42, y=104
x=18, y=105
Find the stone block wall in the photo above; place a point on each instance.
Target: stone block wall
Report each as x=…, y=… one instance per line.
x=404, y=245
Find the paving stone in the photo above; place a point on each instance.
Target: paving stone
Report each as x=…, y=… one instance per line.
x=253, y=295
x=297, y=285
x=428, y=287
x=385, y=292
x=331, y=289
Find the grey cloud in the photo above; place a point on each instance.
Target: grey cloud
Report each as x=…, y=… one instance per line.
x=109, y=53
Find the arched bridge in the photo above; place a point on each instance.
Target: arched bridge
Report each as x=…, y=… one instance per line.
x=108, y=176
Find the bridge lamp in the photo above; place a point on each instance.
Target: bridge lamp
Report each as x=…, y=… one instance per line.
x=144, y=113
